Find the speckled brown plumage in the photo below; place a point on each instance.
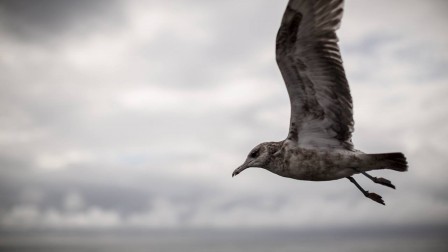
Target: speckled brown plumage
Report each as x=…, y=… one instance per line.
x=318, y=146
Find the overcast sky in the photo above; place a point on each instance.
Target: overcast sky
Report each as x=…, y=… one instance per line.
x=135, y=113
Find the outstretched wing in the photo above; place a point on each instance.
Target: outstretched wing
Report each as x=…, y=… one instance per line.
x=310, y=62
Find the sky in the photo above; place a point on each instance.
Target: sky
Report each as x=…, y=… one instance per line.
x=134, y=114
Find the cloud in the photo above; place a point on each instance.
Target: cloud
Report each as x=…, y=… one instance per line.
x=50, y=20
x=61, y=160
x=224, y=213
x=28, y=217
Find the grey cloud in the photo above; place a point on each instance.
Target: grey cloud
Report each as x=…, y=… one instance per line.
x=48, y=20
x=229, y=46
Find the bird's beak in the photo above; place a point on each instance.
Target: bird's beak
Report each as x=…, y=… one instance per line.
x=240, y=169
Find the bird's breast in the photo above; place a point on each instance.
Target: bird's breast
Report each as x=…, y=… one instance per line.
x=317, y=165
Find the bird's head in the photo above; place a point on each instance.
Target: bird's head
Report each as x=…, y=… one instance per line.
x=260, y=156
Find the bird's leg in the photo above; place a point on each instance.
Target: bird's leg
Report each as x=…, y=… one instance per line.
x=381, y=181
x=373, y=196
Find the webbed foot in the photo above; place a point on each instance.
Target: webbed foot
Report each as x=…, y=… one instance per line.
x=381, y=181
x=384, y=182
x=375, y=197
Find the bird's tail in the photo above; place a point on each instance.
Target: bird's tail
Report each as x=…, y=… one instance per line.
x=394, y=161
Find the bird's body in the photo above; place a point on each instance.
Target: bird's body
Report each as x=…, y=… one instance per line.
x=321, y=164
x=315, y=164
x=318, y=146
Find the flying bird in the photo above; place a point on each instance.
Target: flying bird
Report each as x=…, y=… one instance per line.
x=318, y=146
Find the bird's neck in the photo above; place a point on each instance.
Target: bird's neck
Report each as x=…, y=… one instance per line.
x=275, y=155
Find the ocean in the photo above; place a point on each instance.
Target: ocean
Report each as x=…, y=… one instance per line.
x=224, y=241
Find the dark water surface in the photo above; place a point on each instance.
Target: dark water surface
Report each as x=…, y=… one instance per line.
x=224, y=241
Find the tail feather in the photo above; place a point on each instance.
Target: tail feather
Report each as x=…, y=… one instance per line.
x=395, y=161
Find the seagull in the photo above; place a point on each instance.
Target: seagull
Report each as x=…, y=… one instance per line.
x=318, y=146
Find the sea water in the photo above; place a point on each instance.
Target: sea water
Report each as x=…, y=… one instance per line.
x=222, y=241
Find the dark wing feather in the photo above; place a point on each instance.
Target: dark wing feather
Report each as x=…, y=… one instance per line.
x=310, y=62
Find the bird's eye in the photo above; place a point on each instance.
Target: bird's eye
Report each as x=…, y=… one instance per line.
x=254, y=154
